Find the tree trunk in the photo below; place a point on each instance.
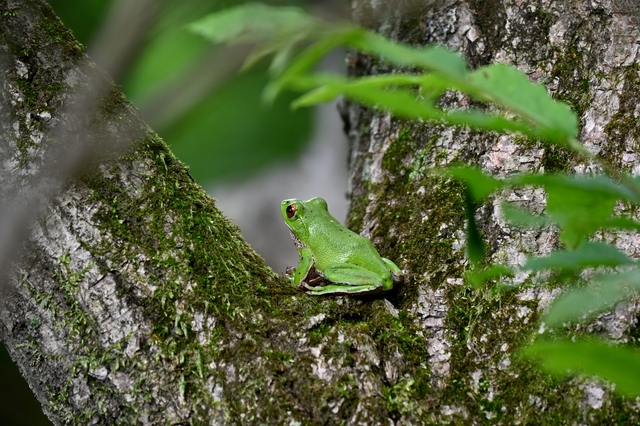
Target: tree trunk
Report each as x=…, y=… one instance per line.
x=586, y=53
x=136, y=301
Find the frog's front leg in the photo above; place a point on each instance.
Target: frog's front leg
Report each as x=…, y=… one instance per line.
x=304, y=266
x=348, y=278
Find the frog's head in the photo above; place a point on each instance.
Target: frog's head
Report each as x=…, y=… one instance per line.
x=293, y=212
x=299, y=215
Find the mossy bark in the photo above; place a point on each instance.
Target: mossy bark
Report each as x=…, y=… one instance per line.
x=586, y=53
x=136, y=301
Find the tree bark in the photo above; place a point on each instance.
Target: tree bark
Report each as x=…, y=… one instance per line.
x=586, y=53
x=136, y=301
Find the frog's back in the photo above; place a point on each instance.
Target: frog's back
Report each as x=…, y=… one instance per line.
x=336, y=244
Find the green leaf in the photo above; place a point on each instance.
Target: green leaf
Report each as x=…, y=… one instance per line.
x=579, y=213
x=616, y=364
x=389, y=92
x=403, y=103
x=475, y=245
x=477, y=277
x=586, y=255
x=253, y=23
x=279, y=30
x=581, y=205
x=599, y=183
x=480, y=184
x=322, y=94
x=433, y=58
x=385, y=82
x=296, y=71
x=623, y=223
x=214, y=143
x=524, y=218
x=498, y=84
x=506, y=86
x=605, y=291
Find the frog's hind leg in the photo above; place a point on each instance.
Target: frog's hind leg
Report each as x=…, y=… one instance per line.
x=396, y=272
x=347, y=278
x=392, y=266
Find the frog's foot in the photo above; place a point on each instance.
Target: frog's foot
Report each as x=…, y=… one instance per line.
x=310, y=284
x=397, y=278
x=303, y=286
x=289, y=271
x=396, y=272
x=312, y=279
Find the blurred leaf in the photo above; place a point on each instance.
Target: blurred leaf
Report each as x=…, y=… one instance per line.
x=475, y=245
x=231, y=134
x=581, y=205
x=400, y=101
x=81, y=16
x=164, y=57
x=616, y=364
x=623, y=223
x=479, y=183
x=293, y=76
x=586, y=255
x=477, y=277
x=599, y=183
x=274, y=30
x=499, y=84
x=579, y=213
x=254, y=23
x=403, y=102
x=608, y=290
x=522, y=217
x=220, y=130
x=433, y=58
x=506, y=86
x=278, y=29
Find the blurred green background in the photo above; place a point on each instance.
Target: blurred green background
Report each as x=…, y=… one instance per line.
x=191, y=94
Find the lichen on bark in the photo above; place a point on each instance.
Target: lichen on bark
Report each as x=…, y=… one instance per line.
x=586, y=54
x=136, y=301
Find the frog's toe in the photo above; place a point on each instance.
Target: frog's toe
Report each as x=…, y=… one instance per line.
x=397, y=278
x=303, y=286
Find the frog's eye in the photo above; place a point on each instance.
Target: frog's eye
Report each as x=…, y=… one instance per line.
x=291, y=210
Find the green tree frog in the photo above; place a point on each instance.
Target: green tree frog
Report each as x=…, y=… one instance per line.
x=332, y=252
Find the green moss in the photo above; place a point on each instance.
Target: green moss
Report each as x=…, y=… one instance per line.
x=221, y=271
x=490, y=17
x=623, y=125
x=394, y=160
x=40, y=90
x=82, y=344
x=421, y=240
x=33, y=349
x=424, y=243
x=556, y=159
x=55, y=31
x=572, y=70
x=357, y=213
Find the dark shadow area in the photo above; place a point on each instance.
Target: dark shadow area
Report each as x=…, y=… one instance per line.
x=18, y=406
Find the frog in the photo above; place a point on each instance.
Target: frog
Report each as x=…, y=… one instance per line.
x=333, y=259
